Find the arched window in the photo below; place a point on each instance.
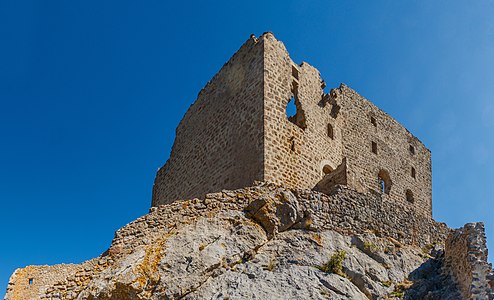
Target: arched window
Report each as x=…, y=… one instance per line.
x=327, y=169
x=384, y=181
x=409, y=196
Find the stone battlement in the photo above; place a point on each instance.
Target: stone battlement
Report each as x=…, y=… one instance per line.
x=238, y=132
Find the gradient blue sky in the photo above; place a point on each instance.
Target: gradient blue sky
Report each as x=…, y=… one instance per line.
x=91, y=93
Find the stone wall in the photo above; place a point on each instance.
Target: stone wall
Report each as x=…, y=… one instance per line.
x=466, y=260
x=329, y=128
x=296, y=152
x=62, y=281
x=347, y=210
x=32, y=282
x=219, y=142
x=400, y=155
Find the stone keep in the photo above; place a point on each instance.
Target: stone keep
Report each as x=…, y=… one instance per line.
x=238, y=132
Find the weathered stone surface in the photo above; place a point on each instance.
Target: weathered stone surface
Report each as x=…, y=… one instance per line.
x=466, y=259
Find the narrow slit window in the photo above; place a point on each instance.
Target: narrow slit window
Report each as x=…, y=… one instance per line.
x=373, y=121
x=330, y=131
x=30, y=281
x=409, y=196
x=413, y=172
x=374, y=147
x=411, y=149
x=292, y=144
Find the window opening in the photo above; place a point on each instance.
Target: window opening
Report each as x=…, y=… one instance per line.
x=412, y=149
x=330, y=131
x=327, y=169
x=384, y=181
x=373, y=121
x=374, y=147
x=30, y=281
x=409, y=196
x=292, y=144
x=291, y=109
x=413, y=172
x=294, y=111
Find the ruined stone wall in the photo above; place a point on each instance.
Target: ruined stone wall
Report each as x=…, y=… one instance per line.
x=238, y=131
x=296, y=151
x=219, y=142
x=397, y=153
x=329, y=128
x=31, y=283
x=466, y=260
x=348, y=210
x=62, y=281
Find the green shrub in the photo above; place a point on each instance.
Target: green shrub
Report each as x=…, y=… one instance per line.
x=271, y=265
x=400, y=288
x=334, y=265
x=387, y=283
x=371, y=247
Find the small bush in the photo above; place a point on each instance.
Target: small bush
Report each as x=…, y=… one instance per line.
x=271, y=265
x=317, y=239
x=400, y=288
x=398, y=294
x=334, y=265
x=371, y=247
x=387, y=283
x=427, y=248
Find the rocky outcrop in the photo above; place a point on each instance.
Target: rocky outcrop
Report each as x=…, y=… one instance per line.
x=263, y=242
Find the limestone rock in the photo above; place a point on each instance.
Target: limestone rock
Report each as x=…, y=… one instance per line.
x=263, y=242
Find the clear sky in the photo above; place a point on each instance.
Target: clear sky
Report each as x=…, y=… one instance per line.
x=91, y=93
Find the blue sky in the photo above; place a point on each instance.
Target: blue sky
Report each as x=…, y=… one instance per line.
x=91, y=93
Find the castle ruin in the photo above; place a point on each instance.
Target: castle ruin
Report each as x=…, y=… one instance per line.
x=238, y=132
x=338, y=166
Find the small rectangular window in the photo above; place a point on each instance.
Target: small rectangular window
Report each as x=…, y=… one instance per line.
x=373, y=121
x=374, y=147
x=412, y=149
x=413, y=172
x=30, y=281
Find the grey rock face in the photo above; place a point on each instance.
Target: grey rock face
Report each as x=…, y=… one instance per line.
x=264, y=242
x=257, y=254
